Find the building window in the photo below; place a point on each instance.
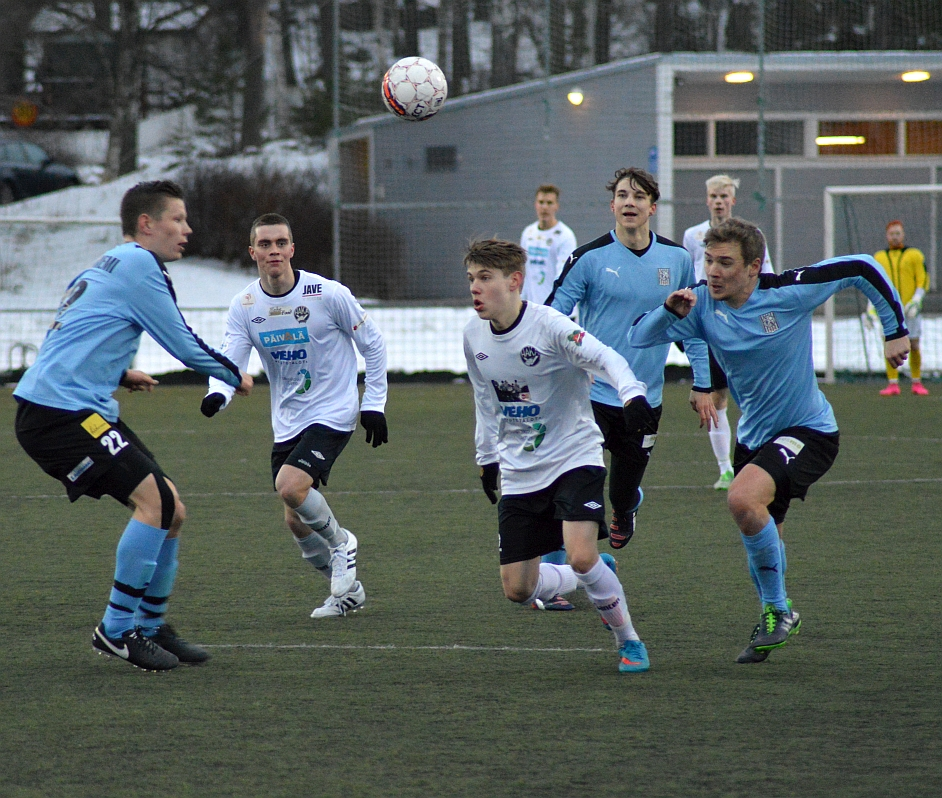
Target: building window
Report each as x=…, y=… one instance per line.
x=785, y=138
x=924, y=137
x=441, y=159
x=876, y=138
x=690, y=138
x=737, y=138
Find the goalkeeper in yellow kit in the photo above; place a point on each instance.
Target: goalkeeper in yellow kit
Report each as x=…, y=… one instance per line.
x=906, y=267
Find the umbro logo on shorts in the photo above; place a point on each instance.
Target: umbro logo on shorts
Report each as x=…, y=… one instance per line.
x=592, y=505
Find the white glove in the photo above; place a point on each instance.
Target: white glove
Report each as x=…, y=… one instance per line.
x=870, y=318
x=912, y=309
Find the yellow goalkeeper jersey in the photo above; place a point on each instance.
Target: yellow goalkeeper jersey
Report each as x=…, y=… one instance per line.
x=906, y=267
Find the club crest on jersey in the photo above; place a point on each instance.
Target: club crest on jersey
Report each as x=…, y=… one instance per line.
x=301, y=314
x=576, y=337
x=529, y=356
x=247, y=300
x=769, y=322
x=663, y=276
x=279, y=310
x=313, y=290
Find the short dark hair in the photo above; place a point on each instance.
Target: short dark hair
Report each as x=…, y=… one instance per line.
x=150, y=198
x=267, y=219
x=738, y=231
x=492, y=253
x=548, y=188
x=644, y=180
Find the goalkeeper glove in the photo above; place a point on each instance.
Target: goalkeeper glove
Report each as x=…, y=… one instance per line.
x=212, y=404
x=374, y=423
x=870, y=318
x=914, y=306
x=489, y=475
x=639, y=417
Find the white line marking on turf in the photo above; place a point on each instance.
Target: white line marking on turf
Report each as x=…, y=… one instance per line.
x=392, y=647
x=399, y=491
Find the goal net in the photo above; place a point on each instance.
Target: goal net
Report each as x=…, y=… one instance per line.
x=855, y=220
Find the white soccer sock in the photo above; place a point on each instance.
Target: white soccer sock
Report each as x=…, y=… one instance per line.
x=315, y=550
x=720, y=439
x=316, y=513
x=606, y=593
x=554, y=580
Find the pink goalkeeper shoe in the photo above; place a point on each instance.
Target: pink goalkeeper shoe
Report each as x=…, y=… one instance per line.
x=919, y=389
x=891, y=390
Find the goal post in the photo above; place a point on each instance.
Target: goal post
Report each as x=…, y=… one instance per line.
x=915, y=205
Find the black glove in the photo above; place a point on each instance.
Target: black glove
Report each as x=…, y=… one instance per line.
x=374, y=423
x=489, y=475
x=639, y=417
x=212, y=404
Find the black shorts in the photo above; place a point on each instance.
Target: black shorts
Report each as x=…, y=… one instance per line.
x=795, y=458
x=617, y=439
x=717, y=375
x=313, y=451
x=88, y=454
x=531, y=524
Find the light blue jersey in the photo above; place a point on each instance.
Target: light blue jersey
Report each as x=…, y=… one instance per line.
x=97, y=331
x=613, y=286
x=764, y=347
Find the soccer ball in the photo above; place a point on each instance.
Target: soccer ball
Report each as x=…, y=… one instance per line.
x=414, y=88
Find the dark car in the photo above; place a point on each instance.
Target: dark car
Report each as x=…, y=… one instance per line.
x=27, y=170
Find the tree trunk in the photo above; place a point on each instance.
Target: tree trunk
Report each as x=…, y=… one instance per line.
x=503, y=43
x=126, y=81
x=461, y=48
x=664, y=26
x=255, y=16
x=410, y=28
x=557, y=36
x=603, y=31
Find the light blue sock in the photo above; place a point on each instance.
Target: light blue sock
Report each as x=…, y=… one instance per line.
x=153, y=607
x=135, y=561
x=555, y=557
x=765, y=562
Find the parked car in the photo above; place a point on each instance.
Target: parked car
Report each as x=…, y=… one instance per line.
x=27, y=170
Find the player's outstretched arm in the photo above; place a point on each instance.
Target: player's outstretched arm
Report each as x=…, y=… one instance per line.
x=135, y=380
x=896, y=351
x=681, y=302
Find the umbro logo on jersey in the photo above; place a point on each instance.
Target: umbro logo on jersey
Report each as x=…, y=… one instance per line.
x=258, y=320
x=480, y=356
x=593, y=505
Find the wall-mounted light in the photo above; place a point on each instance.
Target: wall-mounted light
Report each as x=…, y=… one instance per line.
x=575, y=96
x=915, y=76
x=738, y=77
x=839, y=141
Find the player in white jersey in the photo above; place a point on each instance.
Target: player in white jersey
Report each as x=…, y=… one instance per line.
x=548, y=242
x=304, y=328
x=759, y=326
x=530, y=367
x=721, y=197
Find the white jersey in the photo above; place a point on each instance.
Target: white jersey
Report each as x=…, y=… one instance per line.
x=693, y=243
x=547, y=251
x=305, y=339
x=531, y=395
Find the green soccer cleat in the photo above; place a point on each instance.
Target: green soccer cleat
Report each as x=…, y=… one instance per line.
x=633, y=657
x=725, y=480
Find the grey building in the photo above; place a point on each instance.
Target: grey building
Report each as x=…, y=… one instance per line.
x=425, y=188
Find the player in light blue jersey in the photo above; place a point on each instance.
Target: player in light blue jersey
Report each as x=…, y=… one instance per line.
x=758, y=327
x=613, y=280
x=68, y=422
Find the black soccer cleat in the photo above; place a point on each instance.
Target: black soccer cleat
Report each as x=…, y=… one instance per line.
x=135, y=649
x=749, y=654
x=187, y=653
x=622, y=527
x=775, y=628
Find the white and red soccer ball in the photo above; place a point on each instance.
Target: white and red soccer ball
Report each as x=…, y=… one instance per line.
x=414, y=88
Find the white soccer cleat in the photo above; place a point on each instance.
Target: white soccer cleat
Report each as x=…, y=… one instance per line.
x=343, y=566
x=338, y=607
